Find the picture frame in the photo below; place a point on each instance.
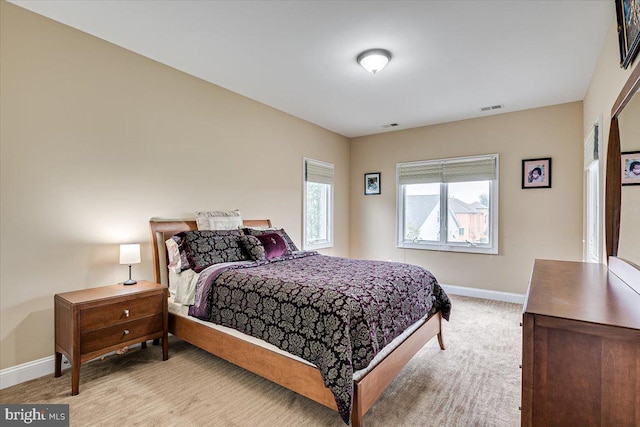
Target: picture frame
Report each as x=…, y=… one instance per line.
x=536, y=173
x=630, y=167
x=372, y=183
x=628, y=16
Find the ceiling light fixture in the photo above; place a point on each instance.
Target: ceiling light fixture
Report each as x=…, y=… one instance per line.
x=374, y=60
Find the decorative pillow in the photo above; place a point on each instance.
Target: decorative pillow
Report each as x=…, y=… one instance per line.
x=253, y=247
x=256, y=232
x=218, y=220
x=180, y=237
x=258, y=228
x=274, y=245
x=177, y=263
x=206, y=247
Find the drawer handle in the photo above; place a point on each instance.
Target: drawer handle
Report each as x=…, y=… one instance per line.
x=126, y=313
x=126, y=332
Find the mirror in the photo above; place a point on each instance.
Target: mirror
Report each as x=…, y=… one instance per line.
x=622, y=214
x=629, y=238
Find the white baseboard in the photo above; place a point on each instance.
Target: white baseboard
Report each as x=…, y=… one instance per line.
x=36, y=369
x=27, y=371
x=45, y=366
x=484, y=293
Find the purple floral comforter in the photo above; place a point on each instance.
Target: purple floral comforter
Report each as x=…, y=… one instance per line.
x=337, y=313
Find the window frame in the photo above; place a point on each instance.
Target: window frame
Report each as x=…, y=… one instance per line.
x=322, y=244
x=443, y=244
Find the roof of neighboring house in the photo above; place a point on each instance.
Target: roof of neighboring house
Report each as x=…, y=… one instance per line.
x=478, y=205
x=419, y=208
x=458, y=206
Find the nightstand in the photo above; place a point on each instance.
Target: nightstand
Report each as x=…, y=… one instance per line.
x=92, y=322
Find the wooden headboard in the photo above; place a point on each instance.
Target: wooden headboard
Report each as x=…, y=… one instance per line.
x=163, y=229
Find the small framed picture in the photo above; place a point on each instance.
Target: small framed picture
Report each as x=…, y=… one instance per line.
x=371, y=183
x=630, y=168
x=536, y=173
x=628, y=16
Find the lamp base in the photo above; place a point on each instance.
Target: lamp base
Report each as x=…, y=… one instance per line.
x=130, y=282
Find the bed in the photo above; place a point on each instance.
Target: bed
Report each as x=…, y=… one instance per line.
x=288, y=370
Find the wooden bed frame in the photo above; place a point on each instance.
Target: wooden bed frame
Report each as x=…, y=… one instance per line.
x=302, y=378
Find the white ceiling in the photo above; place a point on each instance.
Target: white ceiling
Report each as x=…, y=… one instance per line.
x=450, y=58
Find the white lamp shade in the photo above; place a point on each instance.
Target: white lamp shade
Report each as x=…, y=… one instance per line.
x=374, y=60
x=130, y=254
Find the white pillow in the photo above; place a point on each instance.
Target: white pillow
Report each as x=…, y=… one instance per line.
x=184, y=286
x=218, y=220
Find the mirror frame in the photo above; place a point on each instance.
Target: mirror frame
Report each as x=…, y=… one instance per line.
x=613, y=184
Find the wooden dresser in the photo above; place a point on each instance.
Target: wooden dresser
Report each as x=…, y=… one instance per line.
x=581, y=347
x=95, y=321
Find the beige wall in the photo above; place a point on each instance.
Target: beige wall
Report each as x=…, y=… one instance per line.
x=535, y=223
x=96, y=140
x=606, y=84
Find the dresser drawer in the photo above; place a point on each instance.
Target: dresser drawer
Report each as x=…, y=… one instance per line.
x=120, y=333
x=118, y=312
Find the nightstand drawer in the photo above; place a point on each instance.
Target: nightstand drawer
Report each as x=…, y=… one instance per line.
x=115, y=313
x=123, y=332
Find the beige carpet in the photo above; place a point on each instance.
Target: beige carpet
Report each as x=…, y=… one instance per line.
x=474, y=382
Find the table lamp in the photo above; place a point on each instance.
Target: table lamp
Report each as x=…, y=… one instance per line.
x=130, y=254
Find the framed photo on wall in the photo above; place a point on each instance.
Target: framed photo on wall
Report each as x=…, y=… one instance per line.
x=630, y=168
x=371, y=183
x=628, y=15
x=536, y=173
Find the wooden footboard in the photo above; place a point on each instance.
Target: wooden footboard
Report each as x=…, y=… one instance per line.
x=300, y=377
x=369, y=388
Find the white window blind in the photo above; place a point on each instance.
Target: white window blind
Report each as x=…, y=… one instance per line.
x=450, y=170
x=591, y=147
x=320, y=172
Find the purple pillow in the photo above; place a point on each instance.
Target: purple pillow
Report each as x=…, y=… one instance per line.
x=274, y=245
x=256, y=232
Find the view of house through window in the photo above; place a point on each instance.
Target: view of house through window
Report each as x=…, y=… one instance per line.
x=467, y=212
x=448, y=204
x=318, y=204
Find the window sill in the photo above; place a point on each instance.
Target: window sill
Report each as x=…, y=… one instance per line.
x=450, y=248
x=313, y=247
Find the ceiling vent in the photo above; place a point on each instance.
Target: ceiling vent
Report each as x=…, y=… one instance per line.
x=390, y=125
x=492, y=107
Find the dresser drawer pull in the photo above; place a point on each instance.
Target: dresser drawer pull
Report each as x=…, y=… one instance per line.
x=126, y=313
x=126, y=332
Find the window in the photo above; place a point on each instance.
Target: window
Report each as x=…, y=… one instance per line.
x=591, y=225
x=449, y=204
x=318, y=205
